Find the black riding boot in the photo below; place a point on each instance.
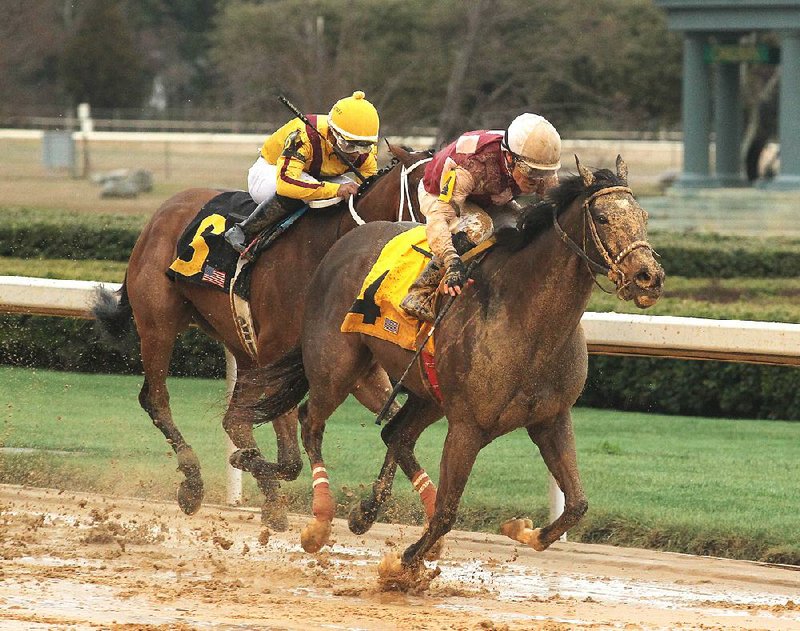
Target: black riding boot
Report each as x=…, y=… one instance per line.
x=267, y=214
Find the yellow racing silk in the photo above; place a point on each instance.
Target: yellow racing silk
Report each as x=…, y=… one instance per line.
x=377, y=311
x=303, y=158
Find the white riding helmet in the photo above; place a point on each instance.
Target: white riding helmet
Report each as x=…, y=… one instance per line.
x=534, y=139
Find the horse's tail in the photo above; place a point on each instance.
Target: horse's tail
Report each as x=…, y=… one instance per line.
x=286, y=378
x=114, y=315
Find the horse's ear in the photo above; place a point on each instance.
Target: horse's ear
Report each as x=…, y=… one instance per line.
x=586, y=175
x=406, y=159
x=622, y=169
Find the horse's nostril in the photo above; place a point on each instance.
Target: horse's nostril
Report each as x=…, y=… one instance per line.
x=643, y=277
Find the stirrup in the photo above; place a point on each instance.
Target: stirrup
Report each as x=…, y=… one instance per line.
x=236, y=238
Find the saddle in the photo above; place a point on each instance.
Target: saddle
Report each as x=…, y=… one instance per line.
x=205, y=258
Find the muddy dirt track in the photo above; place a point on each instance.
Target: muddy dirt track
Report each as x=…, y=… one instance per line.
x=79, y=561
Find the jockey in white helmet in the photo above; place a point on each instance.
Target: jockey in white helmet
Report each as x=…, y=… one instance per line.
x=479, y=170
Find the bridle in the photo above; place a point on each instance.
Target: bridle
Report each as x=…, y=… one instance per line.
x=611, y=265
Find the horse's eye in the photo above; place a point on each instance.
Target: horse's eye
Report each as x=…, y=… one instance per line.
x=602, y=219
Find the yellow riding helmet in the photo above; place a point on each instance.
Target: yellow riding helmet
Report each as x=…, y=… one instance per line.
x=355, y=118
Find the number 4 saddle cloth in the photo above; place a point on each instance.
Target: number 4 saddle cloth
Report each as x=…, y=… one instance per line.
x=377, y=311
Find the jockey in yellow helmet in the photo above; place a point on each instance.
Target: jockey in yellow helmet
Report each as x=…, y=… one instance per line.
x=479, y=170
x=297, y=164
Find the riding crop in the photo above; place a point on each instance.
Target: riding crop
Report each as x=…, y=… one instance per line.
x=439, y=316
x=340, y=154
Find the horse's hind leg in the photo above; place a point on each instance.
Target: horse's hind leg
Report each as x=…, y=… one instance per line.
x=238, y=424
x=556, y=443
x=373, y=389
x=400, y=435
x=157, y=342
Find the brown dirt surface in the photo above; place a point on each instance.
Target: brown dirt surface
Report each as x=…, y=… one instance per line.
x=82, y=561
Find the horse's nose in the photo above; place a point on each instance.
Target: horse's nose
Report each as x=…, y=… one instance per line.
x=648, y=279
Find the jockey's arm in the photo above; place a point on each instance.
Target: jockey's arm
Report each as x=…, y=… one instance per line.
x=456, y=187
x=294, y=182
x=370, y=165
x=292, y=179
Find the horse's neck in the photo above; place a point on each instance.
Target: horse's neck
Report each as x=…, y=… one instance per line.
x=382, y=200
x=556, y=283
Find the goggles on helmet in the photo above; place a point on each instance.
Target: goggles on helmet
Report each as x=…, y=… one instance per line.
x=528, y=170
x=352, y=146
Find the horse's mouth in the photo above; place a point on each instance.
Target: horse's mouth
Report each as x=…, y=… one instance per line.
x=641, y=297
x=643, y=301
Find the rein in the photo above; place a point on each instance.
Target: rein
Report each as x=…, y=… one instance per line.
x=610, y=268
x=405, y=195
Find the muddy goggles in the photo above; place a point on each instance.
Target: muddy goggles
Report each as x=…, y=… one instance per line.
x=353, y=146
x=528, y=170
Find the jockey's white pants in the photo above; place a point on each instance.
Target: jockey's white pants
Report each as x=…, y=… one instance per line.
x=262, y=179
x=262, y=183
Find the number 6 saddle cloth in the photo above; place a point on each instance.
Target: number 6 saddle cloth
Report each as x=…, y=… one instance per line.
x=377, y=311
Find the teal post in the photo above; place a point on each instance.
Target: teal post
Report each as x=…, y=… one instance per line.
x=728, y=125
x=696, y=113
x=789, y=113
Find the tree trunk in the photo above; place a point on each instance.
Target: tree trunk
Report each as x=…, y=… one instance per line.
x=450, y=116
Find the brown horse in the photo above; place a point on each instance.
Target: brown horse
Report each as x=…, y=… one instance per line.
x=162, y=308
x=510, y=353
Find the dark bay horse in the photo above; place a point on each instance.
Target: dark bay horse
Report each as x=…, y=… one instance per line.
x=510, y=353
x=162, y=309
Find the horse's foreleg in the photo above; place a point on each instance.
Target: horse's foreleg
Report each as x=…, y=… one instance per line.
x=556, y=443
x=154, y=399
x=400, y=436
x=458, y=457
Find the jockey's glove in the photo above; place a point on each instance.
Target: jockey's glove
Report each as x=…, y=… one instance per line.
x=456, y=274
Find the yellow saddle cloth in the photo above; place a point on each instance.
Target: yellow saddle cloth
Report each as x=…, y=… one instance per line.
x=377, y=311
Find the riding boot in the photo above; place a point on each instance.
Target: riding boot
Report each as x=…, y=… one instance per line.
x=419, y=302
x=267, y=214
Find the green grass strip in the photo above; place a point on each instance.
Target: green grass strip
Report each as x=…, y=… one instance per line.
x=704, y=486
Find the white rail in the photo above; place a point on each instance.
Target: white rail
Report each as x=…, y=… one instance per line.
x=606, y=333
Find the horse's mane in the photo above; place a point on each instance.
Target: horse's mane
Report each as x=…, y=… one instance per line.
x=539, y=217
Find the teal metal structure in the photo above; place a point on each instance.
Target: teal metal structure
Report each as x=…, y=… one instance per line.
x=711, y=83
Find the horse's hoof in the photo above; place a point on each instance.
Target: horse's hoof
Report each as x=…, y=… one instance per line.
x=522, y=530
x=394, y=576
x=275, y=517
x=190, y=495
x=360, y=520
x=315, y=535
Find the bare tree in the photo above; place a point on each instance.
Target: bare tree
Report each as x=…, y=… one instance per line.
x=451, y=112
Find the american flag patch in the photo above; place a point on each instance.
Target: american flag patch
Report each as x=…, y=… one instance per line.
x=391, y=326
x=214, y=276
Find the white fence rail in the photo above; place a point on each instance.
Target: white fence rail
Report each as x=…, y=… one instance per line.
x=606, y=333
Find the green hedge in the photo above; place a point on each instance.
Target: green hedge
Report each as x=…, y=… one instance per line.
x=642, y=384
x=36, y=234
x=715, y=256
x=695, y=388
x=74, y=345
